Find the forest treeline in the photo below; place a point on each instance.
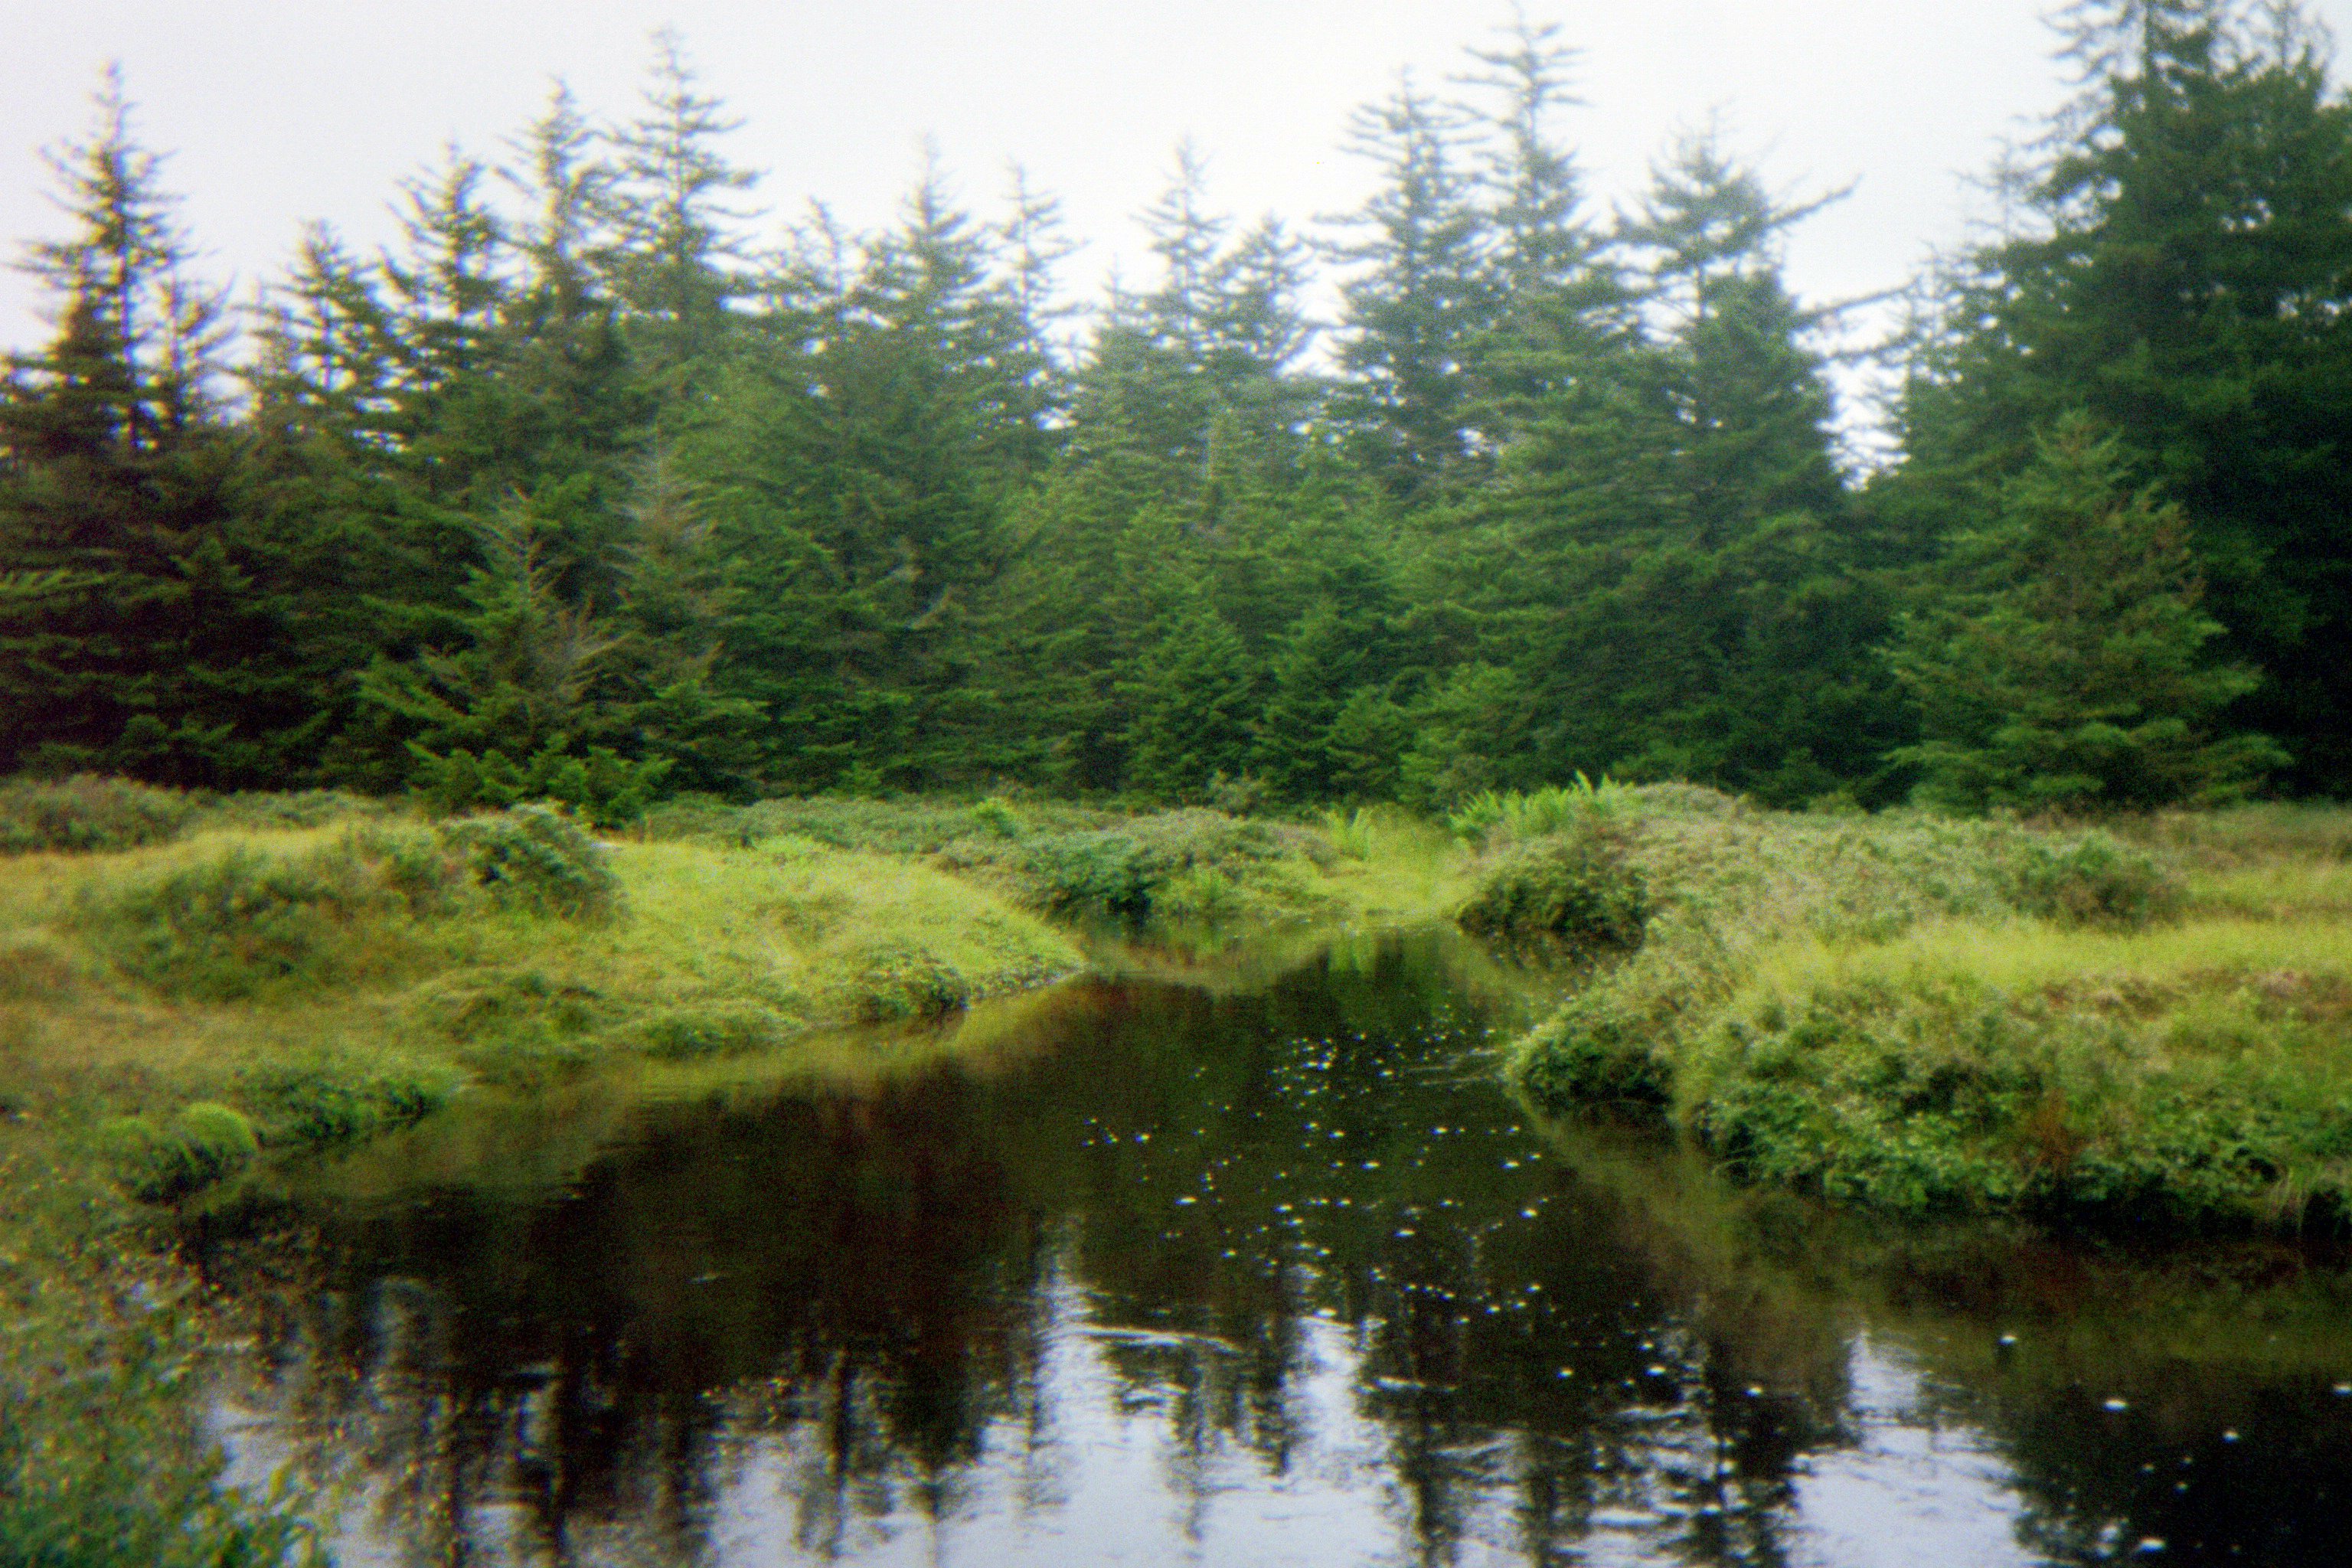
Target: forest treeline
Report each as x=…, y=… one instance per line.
x=603, y=486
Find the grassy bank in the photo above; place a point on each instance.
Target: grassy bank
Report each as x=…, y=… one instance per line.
x=189, y=986
x=1920, y=1015
x=185, y=984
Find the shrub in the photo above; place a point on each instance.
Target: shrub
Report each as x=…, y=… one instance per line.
x=158, y=1161
x=1951, y=1095
x=1597, y=1052
x=536, y=860
x=996, y=819
x=1723, y=886
x=87, y=812
x=2092, y=880
x=1103, y=872
x=1577, y=887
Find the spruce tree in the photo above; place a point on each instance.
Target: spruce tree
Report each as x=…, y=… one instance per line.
x=2065, y=664
x=139, y=639
x=2179, y=265
x=1420, y=295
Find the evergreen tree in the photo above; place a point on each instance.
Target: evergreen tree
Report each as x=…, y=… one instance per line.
x=2065, y=664
x=680, y=257
x=1695, y=598
x=860, y=463
x=139, y=639
x=1420, y=295
x=1192, y=721
x=2182, y=272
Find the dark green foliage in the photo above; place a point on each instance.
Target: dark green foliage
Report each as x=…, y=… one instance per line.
x=87, y=812
x=536, y=860
x=2179, y=273
x=1195, y=699
x=578, y=494
x=1596, y=1054
x=136, y=622
x=1575, y=886
x=2064, y=664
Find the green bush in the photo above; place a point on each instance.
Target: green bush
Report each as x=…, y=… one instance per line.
x=996, y=819
x=1720, y=884
x=202, y=1144
x=1598, y=1053
x=2092, y=880
x=536, y=860
x=1577, y=887
x=1106, y=871
x=87, y=812
x=517, y=1026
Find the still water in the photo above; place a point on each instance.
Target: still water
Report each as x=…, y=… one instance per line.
x=1232, y=1270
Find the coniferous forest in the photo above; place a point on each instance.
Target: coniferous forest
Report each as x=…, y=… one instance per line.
x=604, y=486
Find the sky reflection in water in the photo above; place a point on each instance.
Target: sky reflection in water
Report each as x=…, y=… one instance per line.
x=1274, y=1276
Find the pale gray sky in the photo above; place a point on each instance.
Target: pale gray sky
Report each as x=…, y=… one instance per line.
x=278, y=112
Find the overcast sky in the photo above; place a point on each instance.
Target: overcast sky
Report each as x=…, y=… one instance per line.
x=278, y=112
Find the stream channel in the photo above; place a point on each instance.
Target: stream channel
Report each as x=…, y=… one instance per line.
x=1259, y=1264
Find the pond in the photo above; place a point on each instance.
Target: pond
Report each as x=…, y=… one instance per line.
x=1234, y=1270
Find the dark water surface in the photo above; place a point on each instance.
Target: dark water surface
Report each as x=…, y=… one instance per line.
x=1271, y=1272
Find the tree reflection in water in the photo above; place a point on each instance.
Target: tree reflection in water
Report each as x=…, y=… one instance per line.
x=1270, y=1278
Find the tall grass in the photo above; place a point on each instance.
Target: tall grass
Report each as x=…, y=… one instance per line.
x=1920, y=1014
